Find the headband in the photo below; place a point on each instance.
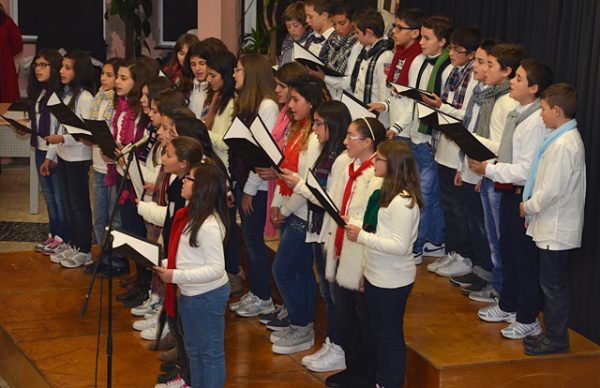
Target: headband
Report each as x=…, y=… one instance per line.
x=370, y=129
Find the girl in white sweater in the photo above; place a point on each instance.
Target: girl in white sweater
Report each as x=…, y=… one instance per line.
x=389, y=230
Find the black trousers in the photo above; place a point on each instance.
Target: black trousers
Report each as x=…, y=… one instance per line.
x=182, y=359
x=554, y=277
x=521, y=292
x=457, y=236
x=357, y=336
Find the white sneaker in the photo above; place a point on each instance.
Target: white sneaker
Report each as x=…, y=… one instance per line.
x=299, y=339
x=150, y=333
x=442, y=261
x=147, y=323
x=147, y=306
x=154, y=311
x=277, y=335
x=493, y=313
x=334, y=359
x=77, y=260
x=432, y=250
x=55, y=246
x=487, y=295
x=236, y=305
x=255, y=306
x=457, y=267
x=312, y=357
x=64, y=251
x=518, y=330
x=418, y=258
x=177, y=382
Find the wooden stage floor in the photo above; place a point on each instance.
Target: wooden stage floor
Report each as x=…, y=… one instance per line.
x=43, y=342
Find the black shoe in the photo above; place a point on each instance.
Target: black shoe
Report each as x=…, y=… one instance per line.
x=341, y=379
x=532, y=340
x=167, y=366
x=137, y=299
x=89, y=268
x=478, y=286
x=115, y=272
x=464, y=280
x=166, y=377
x=545, y=347
x=129, y=293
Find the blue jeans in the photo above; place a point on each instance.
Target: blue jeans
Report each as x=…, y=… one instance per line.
x=431, y=223
x=75, y=180
x=554, y=278
x=482, y=262
x=104, y=200
x=327, y=293
x=253, y=228
x=490, y=199
x=55, y=202
x=203, y=320
x=293, y=273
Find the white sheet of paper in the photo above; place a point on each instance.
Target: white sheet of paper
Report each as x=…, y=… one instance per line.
x=357, y=111
x=149, y=251
x=238, y=130
x=446, y=119
x=262, y=136
x=299, y=52
x=136, y=177
x=424, y=110
x=17, y=115
x=312, y=182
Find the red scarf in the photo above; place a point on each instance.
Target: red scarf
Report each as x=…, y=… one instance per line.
x=179, y=222
x=291, y=156
x=407, y=54
x=353, y=175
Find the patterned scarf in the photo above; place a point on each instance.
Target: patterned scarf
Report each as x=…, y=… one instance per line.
x=353, y=176
x=457, y=83
x=288, y=42
x=100, y=98
x=179, y=223
x=406, y=56
x=486, y=99
x=338, y=49
x=372, y=56
x=434, y=84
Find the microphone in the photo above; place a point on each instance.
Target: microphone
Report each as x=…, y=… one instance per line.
x=133, y=146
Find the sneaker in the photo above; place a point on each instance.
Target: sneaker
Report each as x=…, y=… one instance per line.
x=56, y=246
x=255, y=306
x=154, y=311
x=175, y=383
x=40, y=247
x=147, y=323
x=433, y=250
x=475, y=287
x=464, y=280
x=63, y=253
x=493, y=313
x=418, y=257
x=279, y=334
x=459, y=266
x=487, y=295
x=518, y=330
x=266, y=318
x=280, y=322
x=77, y=260
x=235, y=305
x=442, y=261
x=312, y=357
x=150, y=333
x=299, y=339
x=147, y=306
x=333, y=359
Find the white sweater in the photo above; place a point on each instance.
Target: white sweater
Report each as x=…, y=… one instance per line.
x=201, y=269
x=198, y=97
x=390, y=262
x=220, y=126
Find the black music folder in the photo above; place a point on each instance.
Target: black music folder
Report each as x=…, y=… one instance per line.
x=102, y=136
x=305, y=57
x=74, y=125
x=456, y=131
x=18, y=126
x=324, y=199
x=409, y=92
x=138, y=249
x=357, y=108
x=255, y=145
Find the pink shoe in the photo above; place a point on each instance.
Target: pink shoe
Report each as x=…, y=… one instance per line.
x=40, y=247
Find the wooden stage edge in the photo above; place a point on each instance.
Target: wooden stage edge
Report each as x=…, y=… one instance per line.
x=44, y=342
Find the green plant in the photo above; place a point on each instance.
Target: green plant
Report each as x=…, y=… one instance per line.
x=135, y=14
x=256, y=42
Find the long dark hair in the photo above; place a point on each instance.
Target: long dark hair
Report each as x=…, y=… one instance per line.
x=139, y=74
x=209, y=196
x=314, y=91
x=337, y=119
x=224, y=62
x=185, y=82
x=84, y=74
x=34, y=87
x=259, y=85
x=401, y=176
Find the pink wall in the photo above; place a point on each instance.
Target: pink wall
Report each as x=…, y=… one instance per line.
x=220, y=19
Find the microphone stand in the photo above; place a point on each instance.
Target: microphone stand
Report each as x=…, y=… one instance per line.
x=106, y=247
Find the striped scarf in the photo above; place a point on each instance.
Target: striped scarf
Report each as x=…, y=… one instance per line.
x=372, y=55
x=101, y=97
x=338, y=50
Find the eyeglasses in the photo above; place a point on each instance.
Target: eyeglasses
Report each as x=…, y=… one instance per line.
x=41, y=65
x=380, y=159
x=400, y=28
x=319, y=123
x=455, y=49
x=188, y=178
x=355, y=137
